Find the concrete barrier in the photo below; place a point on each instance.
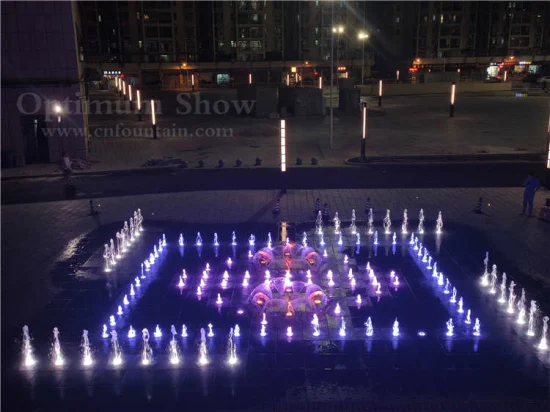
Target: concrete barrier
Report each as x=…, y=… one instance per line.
x=404, y=89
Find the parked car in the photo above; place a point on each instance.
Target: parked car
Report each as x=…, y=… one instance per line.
x=544, y=79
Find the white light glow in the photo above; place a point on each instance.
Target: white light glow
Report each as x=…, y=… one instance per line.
x=153, y=115
x=283, y=146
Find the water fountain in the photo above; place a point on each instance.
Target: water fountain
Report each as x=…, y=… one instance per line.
x=57, y=356
x=358, y=239
x=450, y=327
x=543, y=345
x=353, y=283
x=375, y=240
x=112, y=321
x=203, y=353
x=396, y=281
x=245, y=282
x=231, y=349
x=440, y=279
x=181, y=283
x=125, y=300
x=411, y=241
x=439, y=223
x=264, y=319
x=210, y=330
x=394, y=239
x=184, y=331
x=378, y=289
x=358, y=300
x=493, y=280
x=532, y=311
x=337, y=309
x=415, y=247
x=460, y=305
x=342, y=331
x=511, y=297
x=202, y=283
x=468, y=317
x=502, y=298
x=138, y=282
x=336, y=221
x=330, y=279
x=151, y=259
x=420, y=250
x=86, y=352
x=106, y=258
x=340, y=240
x=198, y=240
x=216, y=242
x=158, y=333
x=115, y=350
x=119, y=311
x=237, y=331
x=370, y=328
x=147, y=265
x=420, y=228
x=304, y=239
x=521, y=308
x=447, y=286
x=353, y=227
x=485, y=276
x=269, y=240
x=146, y=351
x=434, y=271
x=387, y=222
x=322, y=240
x=429, y=265
x=155, y=251
x=229, y=262
x=219, y=300
x=173, y=351
x=289, y=332
x=112, y=252
x=319, y=223
x=374, y=280
x=181, y=242
x=161, y=247
x=477, y=328
x=26, y=349
x=250, y=255
x=425, y=255
x=370, y=222
x=404, y=228
x=251, y=240
x=453, y=297
x=131, y=332
x=346, y=259
x=395, y=328
x=104, y=333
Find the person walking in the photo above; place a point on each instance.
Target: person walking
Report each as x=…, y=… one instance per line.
x=66, y=167
x=531, y=185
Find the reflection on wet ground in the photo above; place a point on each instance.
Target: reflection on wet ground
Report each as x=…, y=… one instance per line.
x=501, y=365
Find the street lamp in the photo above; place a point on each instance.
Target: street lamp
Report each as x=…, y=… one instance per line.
x=338, y=31
x=452, y=105
x=58, y=110
x=153, y=119
x=364, y=132
x=363, y=36
x=335, y=30
x=283, y=156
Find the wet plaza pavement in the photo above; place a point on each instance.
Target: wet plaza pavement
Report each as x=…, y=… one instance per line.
x=499, y=369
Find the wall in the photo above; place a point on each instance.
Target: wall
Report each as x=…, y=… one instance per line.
x=434, y=88
x=39, y=59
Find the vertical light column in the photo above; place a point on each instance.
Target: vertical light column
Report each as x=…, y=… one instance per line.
x=505, y=76
x=364, y=112
x=321, y=82
x=452, y=105
x=153, y=119
x=397, y=76
x=379, y=93
x=250, y=79
x=130, y=96
x=124, y=89
x=193, y=82
x=283, y=156
x=138, y=98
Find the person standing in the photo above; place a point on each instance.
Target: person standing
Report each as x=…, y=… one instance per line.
x=531, y=185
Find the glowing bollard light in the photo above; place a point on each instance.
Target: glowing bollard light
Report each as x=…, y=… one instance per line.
x=452, y=105
x=321, y=82
x=153, y=119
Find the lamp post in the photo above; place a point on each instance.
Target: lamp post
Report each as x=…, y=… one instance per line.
x=334, y=31
x=283, y=156
x=363, y=36
x=192, y=82
x=452, y=105
x=321, y=82
x=130, y=95
x=379, y=93
x=153, y=119
x=505, y=76
x=364, y=132
x=250, y=79
x=124, y=89
x=397, y=76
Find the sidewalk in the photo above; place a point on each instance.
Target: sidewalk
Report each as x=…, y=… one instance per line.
x=38, y=235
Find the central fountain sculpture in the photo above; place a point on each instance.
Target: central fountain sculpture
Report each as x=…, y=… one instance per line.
x=370, y=222
x=387, y=222
x=420, y=228
x=404, y=225
x=146, y=350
